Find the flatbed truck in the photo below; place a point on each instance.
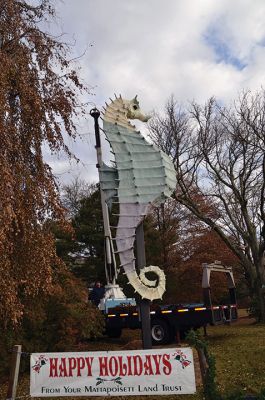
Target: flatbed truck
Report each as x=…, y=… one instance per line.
x=173, y=320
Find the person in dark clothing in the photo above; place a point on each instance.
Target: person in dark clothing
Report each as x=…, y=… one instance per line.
x=97, y=293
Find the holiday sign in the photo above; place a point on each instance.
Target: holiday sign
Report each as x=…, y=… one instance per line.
x=119, y=373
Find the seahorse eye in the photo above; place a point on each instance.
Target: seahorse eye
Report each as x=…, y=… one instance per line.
x=135, y=107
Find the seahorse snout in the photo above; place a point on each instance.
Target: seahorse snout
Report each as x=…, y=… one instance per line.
x=143, y=117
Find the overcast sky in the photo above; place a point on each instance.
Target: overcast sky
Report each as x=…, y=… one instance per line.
x=193, y=49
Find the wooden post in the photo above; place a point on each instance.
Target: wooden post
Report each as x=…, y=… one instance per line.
x=144, y=303
x=14, y=371
x=203, y=363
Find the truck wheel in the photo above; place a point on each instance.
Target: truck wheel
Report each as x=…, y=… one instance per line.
x=114, y=333
x=160, y=332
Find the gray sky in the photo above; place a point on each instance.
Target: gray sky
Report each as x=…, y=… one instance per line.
x=193, y=49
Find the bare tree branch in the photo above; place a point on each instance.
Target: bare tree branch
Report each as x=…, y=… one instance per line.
x=219, y=156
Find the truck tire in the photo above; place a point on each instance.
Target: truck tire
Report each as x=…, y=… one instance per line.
x=160, y=332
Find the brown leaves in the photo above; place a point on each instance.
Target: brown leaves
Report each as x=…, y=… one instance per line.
x=36, y=107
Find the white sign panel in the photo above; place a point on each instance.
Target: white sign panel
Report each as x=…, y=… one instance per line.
x=113, y=373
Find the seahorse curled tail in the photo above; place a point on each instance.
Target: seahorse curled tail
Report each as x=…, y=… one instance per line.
x=129, y=218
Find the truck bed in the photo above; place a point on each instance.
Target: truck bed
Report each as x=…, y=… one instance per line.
x=171, y=318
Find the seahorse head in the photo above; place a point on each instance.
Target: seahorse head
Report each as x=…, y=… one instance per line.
x=134, y=111
x=121, y=111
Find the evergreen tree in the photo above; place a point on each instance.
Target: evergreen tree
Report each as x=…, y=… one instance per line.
x=83, y=248
x=88, y=225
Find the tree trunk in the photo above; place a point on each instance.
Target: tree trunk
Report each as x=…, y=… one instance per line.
x=261, y=302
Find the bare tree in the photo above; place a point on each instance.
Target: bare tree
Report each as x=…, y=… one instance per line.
x=219, y=156
x=74, y=192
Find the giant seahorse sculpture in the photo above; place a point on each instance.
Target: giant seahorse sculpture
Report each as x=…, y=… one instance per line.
x=144, y=175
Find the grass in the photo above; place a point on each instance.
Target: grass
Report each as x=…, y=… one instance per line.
x=239, y=351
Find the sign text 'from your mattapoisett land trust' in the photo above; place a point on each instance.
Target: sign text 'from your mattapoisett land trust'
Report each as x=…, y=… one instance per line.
x=113, y=373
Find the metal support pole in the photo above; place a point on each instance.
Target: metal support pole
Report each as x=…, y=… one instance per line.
x=14, y=371
x=144, y=303
x=95, y=113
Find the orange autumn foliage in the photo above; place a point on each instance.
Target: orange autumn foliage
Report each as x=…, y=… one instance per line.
x=37, y=104
x=185, y=277
x=178, y=242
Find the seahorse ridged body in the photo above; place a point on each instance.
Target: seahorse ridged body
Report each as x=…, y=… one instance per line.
x=144, y=175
